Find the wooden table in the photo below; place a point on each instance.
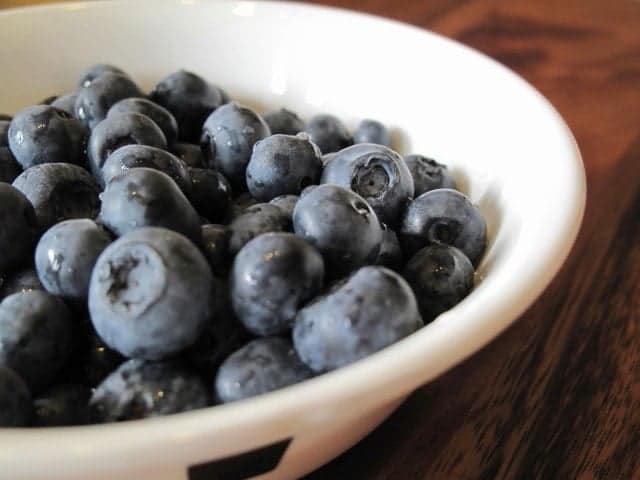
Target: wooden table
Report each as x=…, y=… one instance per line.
x=557, y=395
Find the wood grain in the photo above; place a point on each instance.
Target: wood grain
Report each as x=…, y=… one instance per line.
x=558, y=395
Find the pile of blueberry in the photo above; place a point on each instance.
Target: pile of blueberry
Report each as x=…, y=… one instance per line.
x=165, y=252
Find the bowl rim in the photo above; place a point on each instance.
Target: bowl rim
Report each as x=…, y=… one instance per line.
x=394, y=366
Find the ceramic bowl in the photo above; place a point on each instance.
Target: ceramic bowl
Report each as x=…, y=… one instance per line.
x=509, y=149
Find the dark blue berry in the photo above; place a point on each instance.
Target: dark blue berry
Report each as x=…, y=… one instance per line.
x=66, y=103
x=261, y=366
x=160, y=115
x=428, y=174
x=149, y=294
x=240, y=204
x=44, y=134
x=273, y=275
x=59, y=191
x=376, y=173
x=286, y=203
x=328, y=133
x=137, y=156
x=19, y=228
x=256, y=220
x=221, y=337
x=190, y=154
x=9, y=168
x=94, y=71
x=215, y=246
x=140, y=389
x=118, y=130
x=444, y=217
x=372, y=131
x=66, y=254
x=373, y=309
x=341, y=225
x=284, y=121
x=144, y=197
x=390, y=255
x=190, y=99
x=35, y=336
x=281, y=165
x=210, y=194
x=228, y=137
x=98, y=95
x=15, y=400
x=440, y=276
x=93, y=359
x=23, y=280
x=62, y=405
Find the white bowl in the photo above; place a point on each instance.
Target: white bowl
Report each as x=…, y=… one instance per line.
x=509, y=148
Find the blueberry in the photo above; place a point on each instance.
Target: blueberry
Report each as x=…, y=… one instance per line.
x=62, y=405
x=35, y=336
x=190, y=99
x=24, y=280
x=59, y=191
x=144, y=197
x=256, y=220
x=94, y=71
x=286, y=203
x=428, y=174
x=241, y=203
x=48, y=100
x=281, y=165
x=272, y=277
x=4, y=133
x=220, y=338
x=284, y=121
x=376, y=173
x=160, y=115
x=210, y=194
x=66, y=254
x=118, y=130
x=215, y=246
x=341, y=225
x=95, y=99
x=390, y=255
x=149, y=294
x=190, y=154
x=328, y=133
x=228, y=137
x=261, y=366
x=140, y=389
x=66, y=103
x=94, y=360
x=19, y=229
x=44, y=134
x=137, y=156
x=327, y=157
x=9, y=168
x=440, y=276
x=15, y=400
x=444, y=217
x=372, y=131
x=373, y=309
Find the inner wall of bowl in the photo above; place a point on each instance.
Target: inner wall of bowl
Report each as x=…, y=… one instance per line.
x=319, y=63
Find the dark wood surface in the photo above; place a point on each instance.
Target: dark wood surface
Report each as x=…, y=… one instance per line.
x=557, y=395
